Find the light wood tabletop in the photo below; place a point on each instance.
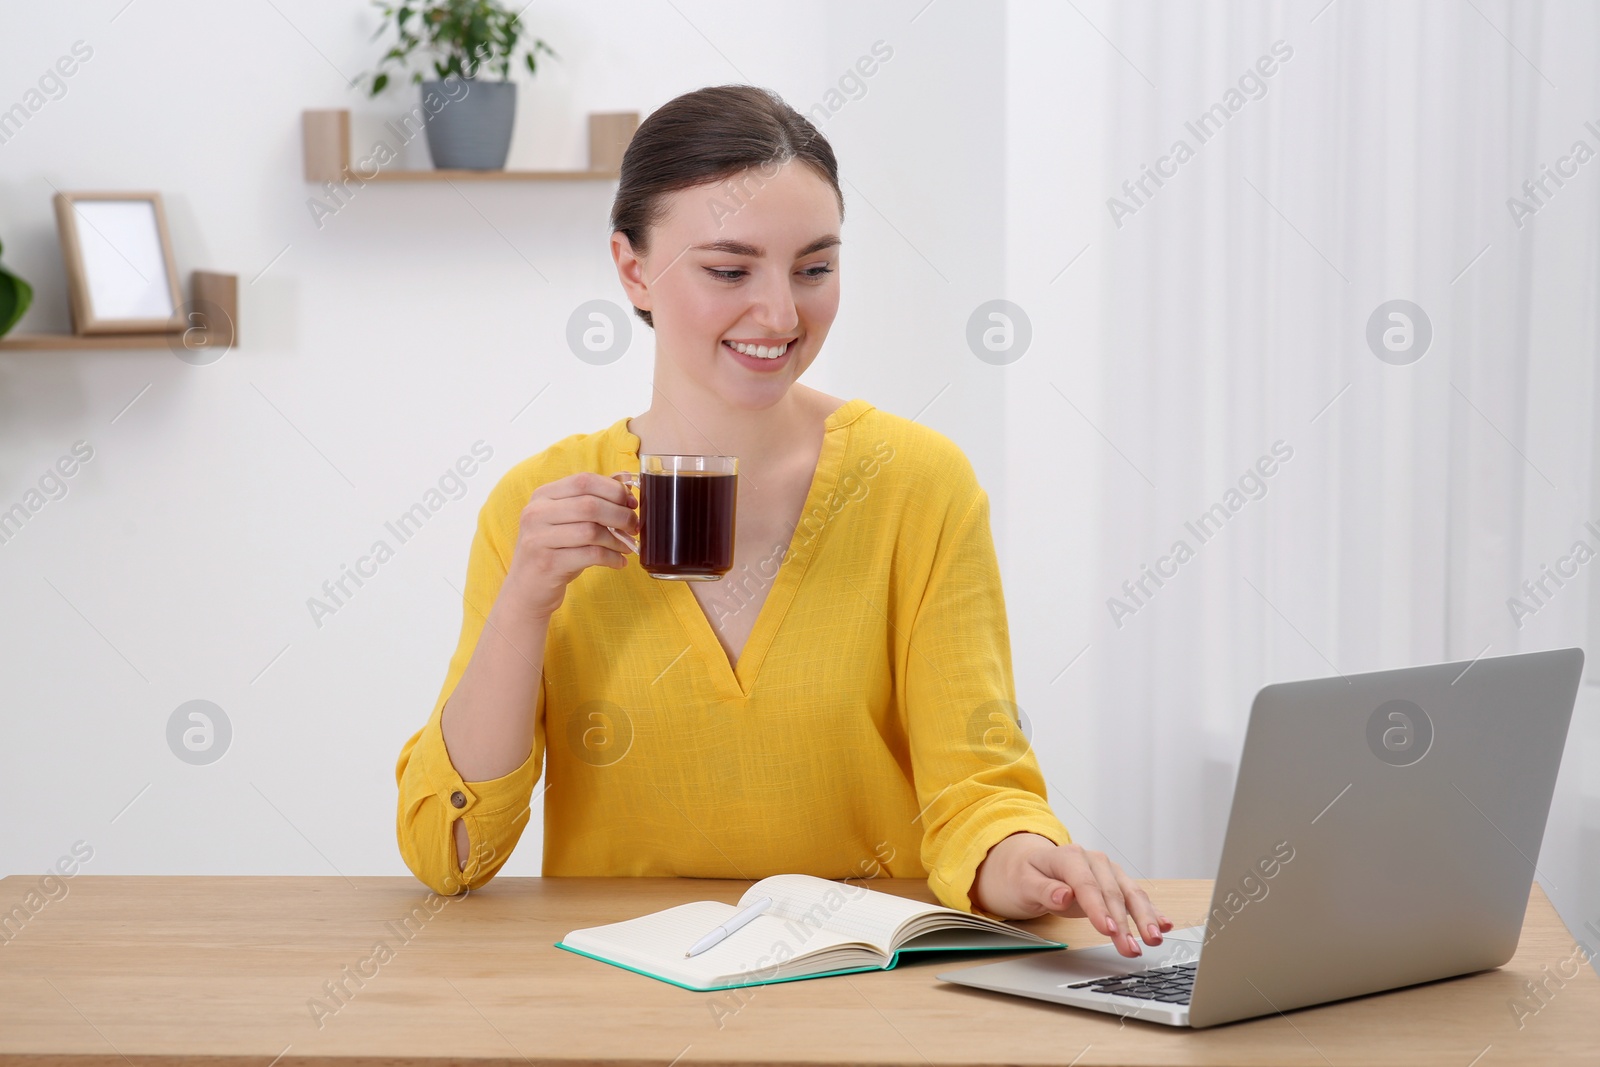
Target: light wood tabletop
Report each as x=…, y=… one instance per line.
x=237, y=970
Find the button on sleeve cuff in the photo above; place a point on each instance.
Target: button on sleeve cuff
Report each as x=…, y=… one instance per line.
x=433, y=796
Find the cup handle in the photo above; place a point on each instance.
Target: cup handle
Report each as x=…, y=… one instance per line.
x=631, y=480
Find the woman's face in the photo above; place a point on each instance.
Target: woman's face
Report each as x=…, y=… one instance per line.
x=753, y=260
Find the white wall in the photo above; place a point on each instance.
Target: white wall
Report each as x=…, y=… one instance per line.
x=376, y=350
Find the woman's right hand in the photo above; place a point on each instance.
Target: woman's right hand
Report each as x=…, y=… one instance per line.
x=562, y=531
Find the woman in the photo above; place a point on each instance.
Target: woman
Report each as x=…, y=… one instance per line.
x=840, y=703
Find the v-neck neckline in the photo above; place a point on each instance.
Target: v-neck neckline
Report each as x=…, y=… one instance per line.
x=739, y=681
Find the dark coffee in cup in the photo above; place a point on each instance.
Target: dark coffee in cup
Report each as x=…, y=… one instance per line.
x=686, y=523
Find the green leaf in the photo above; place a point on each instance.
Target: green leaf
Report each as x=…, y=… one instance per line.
x=378, y=83
x=468, y=38
x=15, y=296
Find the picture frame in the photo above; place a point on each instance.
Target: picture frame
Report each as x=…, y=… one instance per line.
x=121, y=277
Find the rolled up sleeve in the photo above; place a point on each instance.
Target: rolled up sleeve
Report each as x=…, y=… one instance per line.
x=976, y=776
x=432, y=794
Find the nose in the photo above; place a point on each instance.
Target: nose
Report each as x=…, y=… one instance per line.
x=775, y=307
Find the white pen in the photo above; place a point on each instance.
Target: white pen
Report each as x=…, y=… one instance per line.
x=730, y=926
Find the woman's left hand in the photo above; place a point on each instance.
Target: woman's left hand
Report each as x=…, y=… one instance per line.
x=1027, y=875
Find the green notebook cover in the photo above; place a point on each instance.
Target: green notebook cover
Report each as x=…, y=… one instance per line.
x=894, y=959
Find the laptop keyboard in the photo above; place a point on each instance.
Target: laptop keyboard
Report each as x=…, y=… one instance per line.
x=1164, y=985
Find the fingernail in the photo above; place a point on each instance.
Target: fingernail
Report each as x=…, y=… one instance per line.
x=1134, y=941
x=1155, y=935
x=1110, y=926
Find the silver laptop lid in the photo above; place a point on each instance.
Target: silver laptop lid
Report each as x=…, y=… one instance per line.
x=1385, y=831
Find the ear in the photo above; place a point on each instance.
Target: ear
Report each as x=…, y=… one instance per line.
x=630, y=271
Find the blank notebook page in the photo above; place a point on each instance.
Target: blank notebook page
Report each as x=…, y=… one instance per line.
x=865, y=913
x=651, y=941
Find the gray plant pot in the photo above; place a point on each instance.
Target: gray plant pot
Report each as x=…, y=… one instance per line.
x=472, y=131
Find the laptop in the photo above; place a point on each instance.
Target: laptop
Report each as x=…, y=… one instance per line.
x=1385, y=831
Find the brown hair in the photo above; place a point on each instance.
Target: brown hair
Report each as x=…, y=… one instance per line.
x=706, y=136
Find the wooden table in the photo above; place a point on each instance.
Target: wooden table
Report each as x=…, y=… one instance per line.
x=132, y=970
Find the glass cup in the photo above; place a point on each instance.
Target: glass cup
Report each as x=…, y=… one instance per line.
x=686, y=515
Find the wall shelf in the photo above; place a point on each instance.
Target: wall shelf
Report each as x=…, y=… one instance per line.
x=207, y=289
x=325, y=138
x=61, y=342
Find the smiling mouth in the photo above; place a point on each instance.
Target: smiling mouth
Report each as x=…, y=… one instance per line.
x=760, y=351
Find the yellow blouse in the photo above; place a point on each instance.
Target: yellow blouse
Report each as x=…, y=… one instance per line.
x=869, y=729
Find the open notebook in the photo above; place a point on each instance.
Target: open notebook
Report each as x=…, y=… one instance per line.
x=815, y=927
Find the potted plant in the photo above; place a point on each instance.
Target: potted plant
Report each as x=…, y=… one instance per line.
x=15, y=296
x=471, y=128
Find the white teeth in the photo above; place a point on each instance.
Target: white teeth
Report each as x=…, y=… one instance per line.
x=759, y=351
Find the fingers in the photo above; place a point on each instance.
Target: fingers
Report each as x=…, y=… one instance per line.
x=578, y=534
x=1059, y=896
x=1086, y=882
x=569, y=561
x=586, y=483
x=587, y=498
x=1115, y=906
x=601, y=547
x=1043, y=887
x=1146, y=920
x=1083, y=883
x=563, y=530
x=574, y=545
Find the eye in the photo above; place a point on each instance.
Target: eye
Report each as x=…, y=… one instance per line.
x=814, y=273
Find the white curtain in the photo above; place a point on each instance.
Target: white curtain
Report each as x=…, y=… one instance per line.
x=1181, y=334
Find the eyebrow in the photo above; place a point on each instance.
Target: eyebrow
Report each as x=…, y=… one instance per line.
x=740, y=248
